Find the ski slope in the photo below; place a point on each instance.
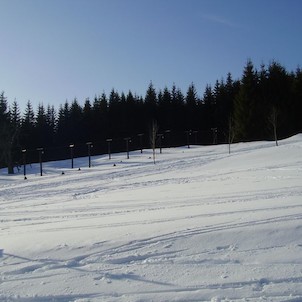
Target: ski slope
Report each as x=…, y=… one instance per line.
x=200, y=225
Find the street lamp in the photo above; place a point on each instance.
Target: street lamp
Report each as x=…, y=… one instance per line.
x=140, y=135
x=160, y=136
x=109, y=140
x=24, y=162
x=188, y=133
x=127, y=139
x=89, y=146
x=41, y=151
x=71, y=154
x=214, y=130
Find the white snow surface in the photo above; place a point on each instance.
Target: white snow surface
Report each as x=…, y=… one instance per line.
x=199, y=225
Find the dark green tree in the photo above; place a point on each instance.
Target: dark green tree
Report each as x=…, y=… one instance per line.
x=8, y=136
x=15, y=115
x=208, y=107
x=165, y=109
x=191, y=114
x=87, y=124
x=178, y=106
x=28, y=127
x=150, y=104
x=295, y=103
x=246, y=118
x=62, y=131
x=41, y=133
x=114, y=111
x=279, y=98
x=75, y=123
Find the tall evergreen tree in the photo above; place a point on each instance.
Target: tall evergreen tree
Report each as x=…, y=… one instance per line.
x=51, y=123
x=134, y=119
x=76, y=131
x=114, y=106
x=192, y=117
x=165, y=109
x=246, y=120
x=178, y=105
x=8, y=136
x=28, y=126
x=279, y=95
x=88, y=120
x=296, y=102
x=150, y=103
x=41, y=132
x=51, y=118
x=62, y=133
x=208, y=103
x=15, y=115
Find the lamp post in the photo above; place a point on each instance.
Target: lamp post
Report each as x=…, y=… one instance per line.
x=188, y=133
x=140, y=135
x=109, y=140
x=89, y=146
x=40, y=150
x=24, y=162
x=127, y=139
x=214, y=131
x=160, y=136
x=71, y=154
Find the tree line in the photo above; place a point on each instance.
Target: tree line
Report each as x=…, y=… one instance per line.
x=262, y=104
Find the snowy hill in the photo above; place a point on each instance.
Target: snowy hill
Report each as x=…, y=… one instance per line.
x=200, y=225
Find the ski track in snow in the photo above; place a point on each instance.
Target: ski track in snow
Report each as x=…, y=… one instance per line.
x=200, y=225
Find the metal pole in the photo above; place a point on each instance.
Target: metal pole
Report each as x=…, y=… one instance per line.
x=160, y=136
x=89, y=145
x=40, y=160
x=214, y=130
x=127, y=139
x=71, y=154
x=141, y=141
x=24, y=162
x=109, y=140
x=188, y=137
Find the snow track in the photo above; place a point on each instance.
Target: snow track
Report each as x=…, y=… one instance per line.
x=200, y=225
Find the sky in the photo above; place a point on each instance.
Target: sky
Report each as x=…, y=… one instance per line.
x=58, y=50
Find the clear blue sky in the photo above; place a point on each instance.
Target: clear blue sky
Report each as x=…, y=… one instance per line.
x=56, y=50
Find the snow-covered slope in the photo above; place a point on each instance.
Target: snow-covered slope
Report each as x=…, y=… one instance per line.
x=200, y=225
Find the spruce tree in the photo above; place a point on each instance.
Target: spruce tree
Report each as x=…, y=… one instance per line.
x=296, y=102
x=41, y=132
x=279, y=97
x=165, y=109
x=62, y=133
x=245, y=115
x=150, y=104
x=208, y=102
x=114, y=107
x=87, y=124
x=75, y=127
x=15, y=115
x=27, y=127
x=191, y=118
x=8, y=136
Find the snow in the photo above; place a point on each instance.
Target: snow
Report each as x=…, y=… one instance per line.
x=200, y=225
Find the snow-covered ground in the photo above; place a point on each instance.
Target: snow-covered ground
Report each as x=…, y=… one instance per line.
x=200, y=225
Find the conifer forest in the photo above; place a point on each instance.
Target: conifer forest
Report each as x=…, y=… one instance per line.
x=264, y=104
